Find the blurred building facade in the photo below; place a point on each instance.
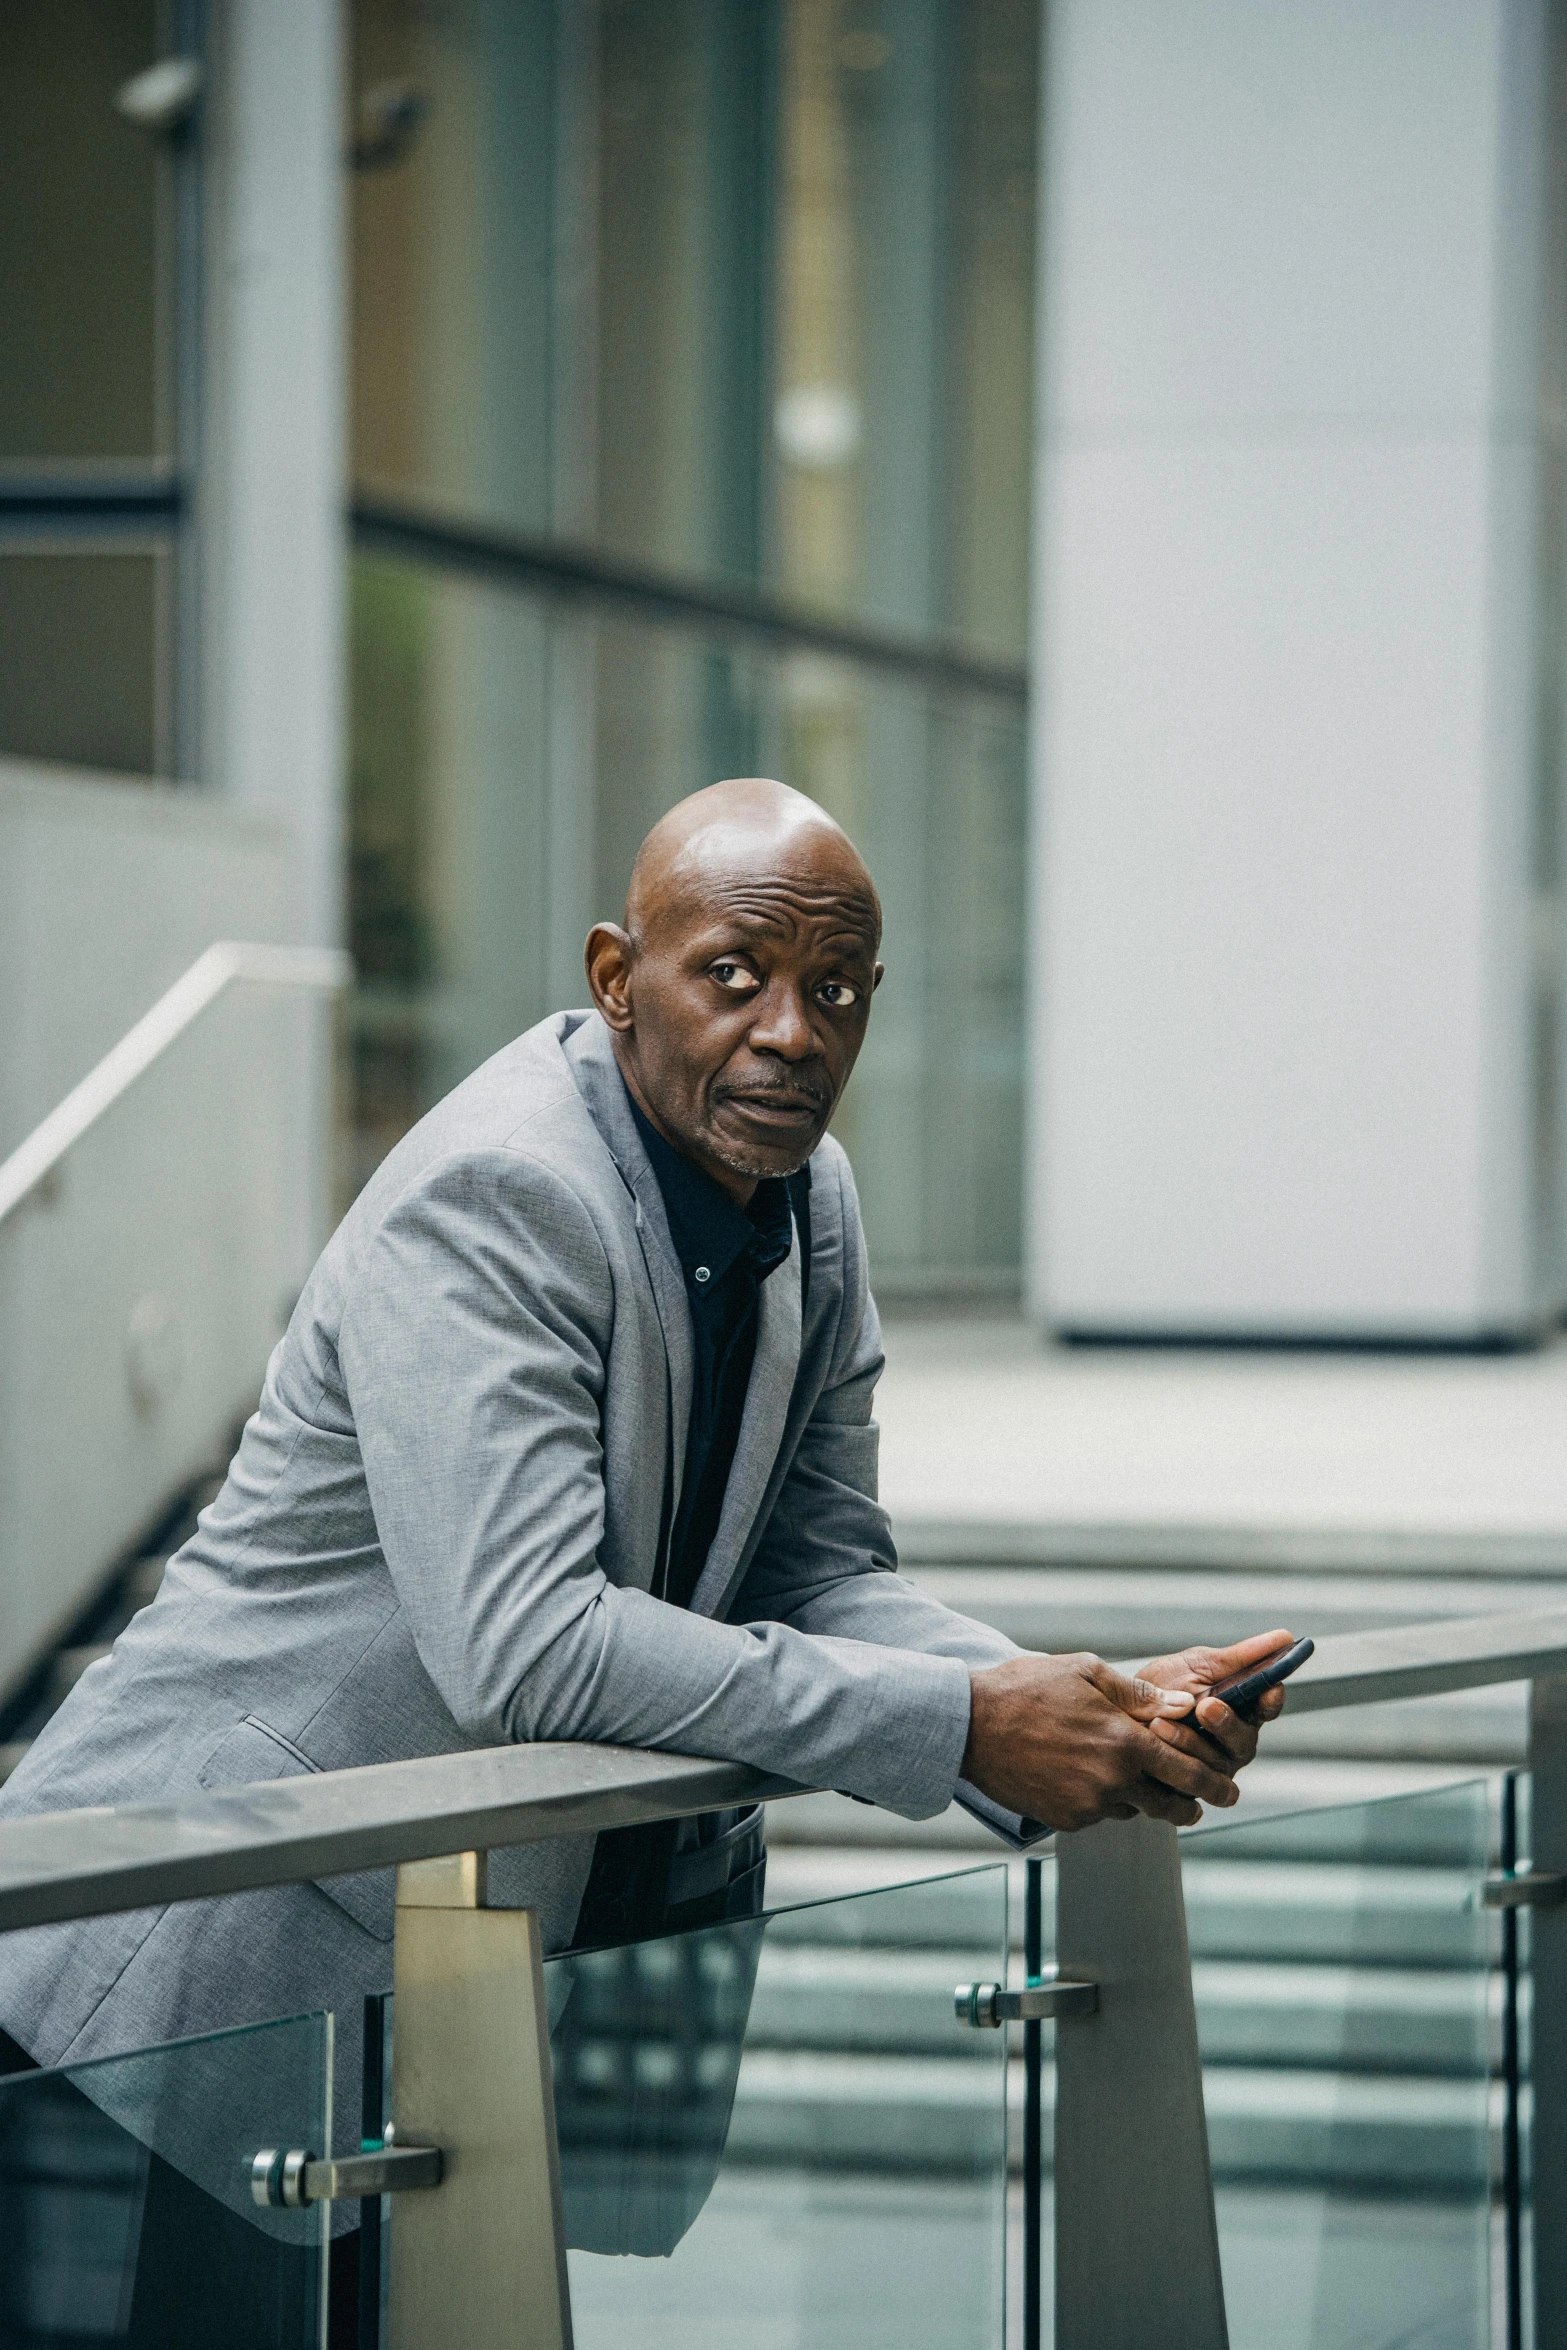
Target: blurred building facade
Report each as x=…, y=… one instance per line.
x=672, y=423
x=465, y=426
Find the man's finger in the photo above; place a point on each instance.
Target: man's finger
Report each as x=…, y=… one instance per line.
x=1185, y=1772
x=1137, y=1697
x=1227, y=1730
x=1162, y=1803
x=1226, y=1744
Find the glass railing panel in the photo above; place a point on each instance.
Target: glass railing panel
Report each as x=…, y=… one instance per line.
x=775, y=2131
x=125, y=2207
x=1344, y=1971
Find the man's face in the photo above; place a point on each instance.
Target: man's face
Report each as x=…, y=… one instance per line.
x=740, y=1009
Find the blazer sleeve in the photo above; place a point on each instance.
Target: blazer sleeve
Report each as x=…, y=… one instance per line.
x=472, y=1349
x=826, y=1563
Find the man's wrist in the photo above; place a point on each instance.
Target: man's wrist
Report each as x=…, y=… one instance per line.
x=975, y=1703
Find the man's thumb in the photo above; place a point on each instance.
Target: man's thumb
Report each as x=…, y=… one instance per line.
x=1141, y=1699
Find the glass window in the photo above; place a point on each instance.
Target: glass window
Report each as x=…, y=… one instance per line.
x=456, y=281
x=82, y=221
x=81, y=644
x=902, y=312
x=506, y=764
x=737, y=291
x=656, y=300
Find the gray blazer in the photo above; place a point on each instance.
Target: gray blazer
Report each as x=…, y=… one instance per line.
x=440, y=1531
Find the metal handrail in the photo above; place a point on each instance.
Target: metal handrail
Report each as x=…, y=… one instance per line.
x=1427, y=1660
x=60, y=1865
x=31, y=1164
x=76, y=1864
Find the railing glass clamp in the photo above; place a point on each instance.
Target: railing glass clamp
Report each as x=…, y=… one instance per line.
x=1535, y=1889
x=988, y=2006
x=288, y=2179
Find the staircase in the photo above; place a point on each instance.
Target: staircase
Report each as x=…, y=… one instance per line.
x=1341, y=2003
x=1343, y=1999
x=131, y=1585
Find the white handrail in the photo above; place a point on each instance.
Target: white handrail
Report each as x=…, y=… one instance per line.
x=323, y=968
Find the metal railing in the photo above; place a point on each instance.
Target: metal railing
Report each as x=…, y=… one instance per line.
x=229, y=963
x=1135, y=2231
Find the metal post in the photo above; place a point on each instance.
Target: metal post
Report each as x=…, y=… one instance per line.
x=372, y=2131
x=1033, y=2100
x=1512, y=2171
x=1137, y=2247
x=1547, y=1943
x=482, y=2262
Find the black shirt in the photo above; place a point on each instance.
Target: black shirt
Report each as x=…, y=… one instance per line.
x=726, y=1252
x=677, y=1873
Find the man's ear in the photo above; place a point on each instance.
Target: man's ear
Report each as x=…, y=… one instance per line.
x=608, y=958
x=878, y=976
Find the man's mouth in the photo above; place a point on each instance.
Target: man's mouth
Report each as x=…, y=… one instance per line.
x=775, y=1108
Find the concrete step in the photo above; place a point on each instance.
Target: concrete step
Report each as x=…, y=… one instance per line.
x=1346, y=2006
x=1288, y=1911
x=1214, y=1546
x=1148, y=1612
x=1340, y=2019
x=135, y=1589
x=935, y=2114
x=1305, y=1798
x=1322, y=1912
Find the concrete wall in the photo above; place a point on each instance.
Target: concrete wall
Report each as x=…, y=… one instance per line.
x=140, y=1299
x=1297, y=652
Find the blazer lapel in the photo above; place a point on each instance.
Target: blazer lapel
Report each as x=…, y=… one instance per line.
x=598, y=1080
x=767, y=1400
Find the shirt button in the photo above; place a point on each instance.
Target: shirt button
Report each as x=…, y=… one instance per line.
x=703, y=1273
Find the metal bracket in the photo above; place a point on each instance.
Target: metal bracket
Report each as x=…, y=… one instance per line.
x=988, y=2006
x=1535, y=1889
x=288, y=2179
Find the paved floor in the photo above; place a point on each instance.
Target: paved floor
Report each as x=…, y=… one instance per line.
x=984, y=1425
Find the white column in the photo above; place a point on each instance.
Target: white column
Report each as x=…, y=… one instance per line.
x=1295, y=749
x=272, y=486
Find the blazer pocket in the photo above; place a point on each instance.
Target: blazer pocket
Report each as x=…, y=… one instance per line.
x=254, y=1751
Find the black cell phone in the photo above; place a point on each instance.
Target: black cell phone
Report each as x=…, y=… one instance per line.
x=1246, y=1691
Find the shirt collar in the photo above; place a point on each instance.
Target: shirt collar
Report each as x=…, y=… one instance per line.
x=709, y=1229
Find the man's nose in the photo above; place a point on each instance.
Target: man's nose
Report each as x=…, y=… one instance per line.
x=783, y=1025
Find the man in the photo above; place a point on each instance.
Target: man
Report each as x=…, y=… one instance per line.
x=570, y=1436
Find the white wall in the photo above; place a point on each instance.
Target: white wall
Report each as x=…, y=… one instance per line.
x=109, y=889
x=139, y=1300
x=1290, y=729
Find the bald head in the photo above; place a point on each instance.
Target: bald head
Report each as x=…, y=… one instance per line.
x=738, y=988
x=747, y=824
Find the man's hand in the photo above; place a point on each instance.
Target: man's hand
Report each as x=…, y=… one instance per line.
x=1197, y=1669
x=1067, y=1740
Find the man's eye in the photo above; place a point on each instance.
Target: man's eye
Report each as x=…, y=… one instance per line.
x=838, y=994
x=735, y=977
